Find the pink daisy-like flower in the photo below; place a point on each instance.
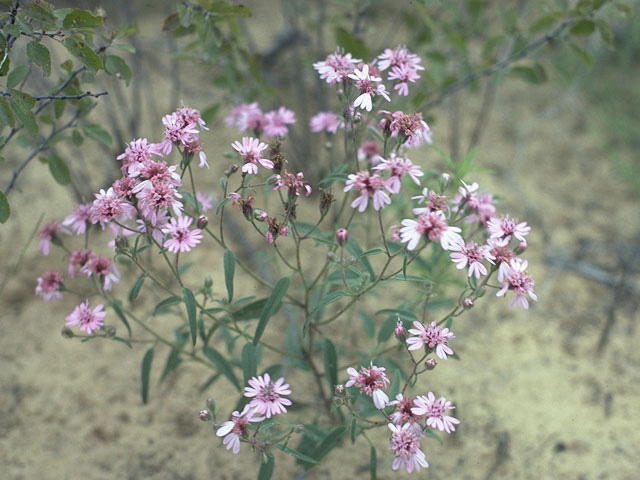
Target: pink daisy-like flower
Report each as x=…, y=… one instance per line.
x=267, y=396
x=276, y=122
x=503, y=255
x=517, y=279
x=157, y=171
x=236, y=428
x=471, y=254
x=371, y=381
x=104, y=269
x=403, y=414
x=251, y=150
x=435, y=411
x=79, y=259
x=89, y=320
x=398, y=167
x=366, y=83
x=194, y=146
x=191, y=116
x=294, y=183
x=336, y=67
x=369, y=152
x=412, y=130
x=181, y=238
x=247, y=116
x=49, y=286
x=405, y=445
x=370, y=186
x=325, y=122
x=125, y=187
x=506, y=226
x=108, y=206
x=433, y=200
x=50, y=234
x=432, y=336
x=398, y=56
x=79, y=218
x=404, y=74
x=175, y=131
x=157, y=194
x=153, y=224
x=431, y=225
x=137, y=152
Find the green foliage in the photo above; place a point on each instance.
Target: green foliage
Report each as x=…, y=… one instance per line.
x=147, y=360
x=271, y=306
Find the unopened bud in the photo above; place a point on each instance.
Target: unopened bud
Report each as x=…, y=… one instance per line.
x=333, y=257
x=260, y=215
x=67, y=332
x=342, y=235
x=202, y=222
x=122, y=244
x=205, y=415
x=111, y=332
x=208, y=283
x=339, y=390
x=445, y=181
x=399, y=331
x=467, y=303
x=430, y=363
x=522, y=247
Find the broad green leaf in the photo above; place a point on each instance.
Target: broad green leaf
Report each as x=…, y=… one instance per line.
x=266, y=469
x=84, y=53
x=146, y=370
x=59, y=169
x=223, y=365
x=229, y=261
x=77, y=138
x=270, y=308
x=135, y=290
x=329, y=442
x=39, y=54
x=249, y=361
x=190, y=303
x=5, y=209
x=583, y=27
x=24, y=114
x=351, y=44
x=164, y=305
x=535, y=74
x=6, y=115
x=117, y=67
x=39, y=10
x=121, y=316
x=97, y=133
x=17, y=75
x=330, y=363
x=81, y=20
x=373, y=464
x=295, y=453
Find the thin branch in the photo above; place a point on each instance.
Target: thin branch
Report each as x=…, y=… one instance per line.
x=62, y=97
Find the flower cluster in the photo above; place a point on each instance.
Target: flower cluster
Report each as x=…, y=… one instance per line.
x=371, y=381
x=249, y=116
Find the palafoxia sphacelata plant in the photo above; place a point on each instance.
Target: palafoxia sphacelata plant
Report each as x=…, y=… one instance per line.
x=410, y=220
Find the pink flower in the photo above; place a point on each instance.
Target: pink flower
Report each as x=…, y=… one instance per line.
x=471, y=254
x=79, y=218
x=194, y=146
x=368, y=89
x=432, y=336
x=247, y=116
x=267, y=396
x=104, y=269
x=205, y=201
x=503, y=255
x=405, y=445
x=337, y=67
x=412, y=130
x=89, y=320
x=79, y=259
x=431, y=225
x=50, y=285
x=158, y=171
x=191, y=116
x=434, y=201
x=108, y=206
x=369, y=151
x=158, y=194
x=325, y=121
x=153, y=224
x=137, y=152
x=294, y=183
x=276, y=122
x=398, y=56
x=49, y=234
x=370, y=187
x=398, y=167
x=371, y=381
x=236, y=428
x=403, y=414
x=182, y=239
x=505, y=227
x=517, y=279
x=404, y=74
x=435, y=411
x=125, y=187
x=251, y=150
x=175, y=131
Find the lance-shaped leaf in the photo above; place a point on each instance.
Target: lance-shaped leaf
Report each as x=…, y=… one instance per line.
x=5, y=209
x=190, y=303
x=249, y=361
x=229, y=261
x=330, y=363
x=146, y=370
x=223, y=365
x=271, y=307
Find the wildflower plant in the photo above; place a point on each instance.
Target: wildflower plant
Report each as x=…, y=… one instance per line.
x=295, y=352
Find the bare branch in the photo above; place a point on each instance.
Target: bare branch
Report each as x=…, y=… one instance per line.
x=42, y=98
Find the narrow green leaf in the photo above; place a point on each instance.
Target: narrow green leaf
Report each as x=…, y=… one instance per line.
x=121, y=316
x=59, y=169
x=356, y=251
x=330, y=363
x=223, y=365
x=190, y=303
x=354, y=430
x=6, y=115
x=117, y=67
x=394, y=389
x=5, y=209
x=146, y=371
x=605, y=33
x=222, y=8
x=164, y=305
x=386, y=330
x=368, y=325
x=535, y=74
x=122, y=340
x=250, y=311
x=173, y=361
x=298, y=455
x=326, y=300
x=135, y=290
x=373, y=464
x=84, y=53
x=81, y=20
x=229, y=261
x=17, y=75
x=329, y=442
x=39, y=54
x=249, y=362
x=266, y=469
x=97, y=133
x=271, y=306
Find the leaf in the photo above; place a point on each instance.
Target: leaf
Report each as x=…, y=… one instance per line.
x=583, y=27
x=59, y=169
x=39, y=54
x=354, y=430
x=97, y=133
x=40, y=10
x=297, y=454
x=535, y=74
x=368, y=325
x=17, y=75
x=135, y=290
x=386, y=330
x=173, y=361
x=120, y=314
x=229, y=261
x=351, y=44
x=25, y=115
x=395, y=384
x=190, y=303
x=544, y=22
x=84, y=53
x=77, y=138
x=356, y=251
x=373, y=463
x=266, y=469
x=117, y=67
x=271, y=306
x=146, y=370
x=6, y=115
x=330, y=363
x=329, y=442
x=122, y=340
x=227, y=9
x=249, y=362
x=223, y=365
x=326, y=300
x=583, y=54
x=81, y=20
x=605, y=33
x=164, y=305
x=5, y=209
x=250, y=311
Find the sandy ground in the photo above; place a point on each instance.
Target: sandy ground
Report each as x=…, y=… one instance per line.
x=535, y=397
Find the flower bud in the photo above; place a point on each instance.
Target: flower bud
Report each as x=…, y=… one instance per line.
x=325, y=202
x=445, y=181
x=430, y=363
x=122, y=244
x=399, y=331
x=208, y=283
x=111, y=331
x=521, y=247
x=333, y=257
x=205, y=415
x=342, y=235
x=339, y=390
x=260, y=215
x=467, y=303
x=66, y=332
x=202, y=222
